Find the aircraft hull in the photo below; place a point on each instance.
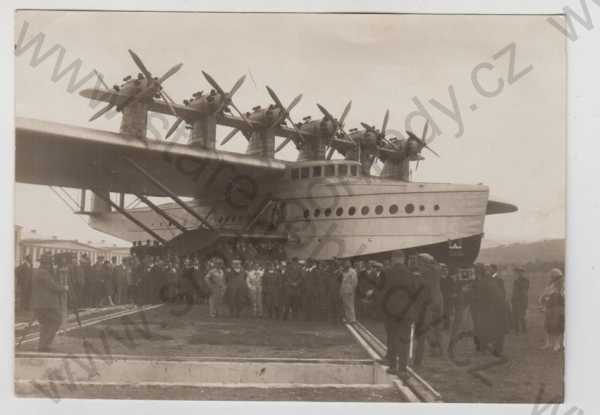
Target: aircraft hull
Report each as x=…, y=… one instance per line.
x=377, y=216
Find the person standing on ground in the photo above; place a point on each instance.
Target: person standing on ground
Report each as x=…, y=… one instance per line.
x=293, y=290
x=215, y=280
x=236, y=293
x=553, y=303
x=24, y=275
x=254, y=283
x=432, y=275
x=332, y=292
x=490, y=308
x=120, y=280
x=272, y=288
x=448, y=289
x=519, y=301
x=348, y=291
x=46, y=297
x=397, y=289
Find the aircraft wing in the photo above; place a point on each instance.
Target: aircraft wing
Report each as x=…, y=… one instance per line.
x=53, y=154
x=186, y=112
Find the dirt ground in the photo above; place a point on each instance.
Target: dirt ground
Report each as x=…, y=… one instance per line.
x=526, y=375
x=173, y=330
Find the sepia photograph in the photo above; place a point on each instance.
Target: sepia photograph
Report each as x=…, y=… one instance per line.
x=325, y=207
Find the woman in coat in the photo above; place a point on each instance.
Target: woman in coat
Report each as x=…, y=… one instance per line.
x=553, y=302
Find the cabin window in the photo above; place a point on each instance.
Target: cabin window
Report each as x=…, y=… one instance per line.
x=364, y=210
x=339, y=211
x=342, y=170
x=327, y=212
x=304, y=172
x=393, y=209
x=329, y=170
x=317, y=171
x=422, y=208
x=410, y=208
x=354, y=170
x=317, y=213
x=436, y=207
x=295, y=174
x=351, y=211
x=379, y=209
x=306, y=213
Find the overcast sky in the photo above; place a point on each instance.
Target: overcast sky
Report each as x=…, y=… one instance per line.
x=513, y=141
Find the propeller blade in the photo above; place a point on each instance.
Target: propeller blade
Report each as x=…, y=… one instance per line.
x=423, y=144
x=140, y=64
x=417, y=168
x=162, y=95
x=330, y=153
x=366, y=126
x=213, y=83
x=170, y=73
x=293, y=103
x=174, y=127
x=283, y=144
x=237, y=86
x=424, y=136
x=430, y=149
x=169, y=98
x=229, y=136
x=345, y=113
x=275, y=98
x=242, y=116
x=101, y=78
x=101, y=112
x=385, y=122
x=326, y=113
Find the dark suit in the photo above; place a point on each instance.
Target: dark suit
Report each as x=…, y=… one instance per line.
x=519, y=302
x=46, y=305
x=397, y=291
x=489, y=313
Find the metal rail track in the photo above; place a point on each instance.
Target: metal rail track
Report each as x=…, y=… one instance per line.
x=72, y=325
x=377, y=349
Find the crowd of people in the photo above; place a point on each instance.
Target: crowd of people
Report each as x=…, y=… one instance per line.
x=415, y=295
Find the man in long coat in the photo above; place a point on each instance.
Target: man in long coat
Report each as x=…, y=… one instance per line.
x=46, y=302
x=236, y=295
x=397, y=292
x=272, y=290
x=520, y=301
x=489, y=314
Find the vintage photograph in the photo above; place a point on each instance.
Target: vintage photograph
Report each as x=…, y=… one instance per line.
x=289, y=206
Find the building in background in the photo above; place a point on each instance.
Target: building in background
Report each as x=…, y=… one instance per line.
x=29, y=242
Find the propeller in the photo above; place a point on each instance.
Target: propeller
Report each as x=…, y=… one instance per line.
x=107, y=107
x=286, y=115
x=338, y=125
x=227, y=97
x=421, y=141
x=226, y=101
x=152, y=88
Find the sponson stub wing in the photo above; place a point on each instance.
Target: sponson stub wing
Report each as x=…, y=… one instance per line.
x=54, y=154
x=495, y=207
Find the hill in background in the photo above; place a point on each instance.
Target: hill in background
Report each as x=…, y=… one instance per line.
x=546, y=251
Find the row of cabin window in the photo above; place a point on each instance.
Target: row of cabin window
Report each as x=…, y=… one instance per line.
x=324, y=171
x=393, y=209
